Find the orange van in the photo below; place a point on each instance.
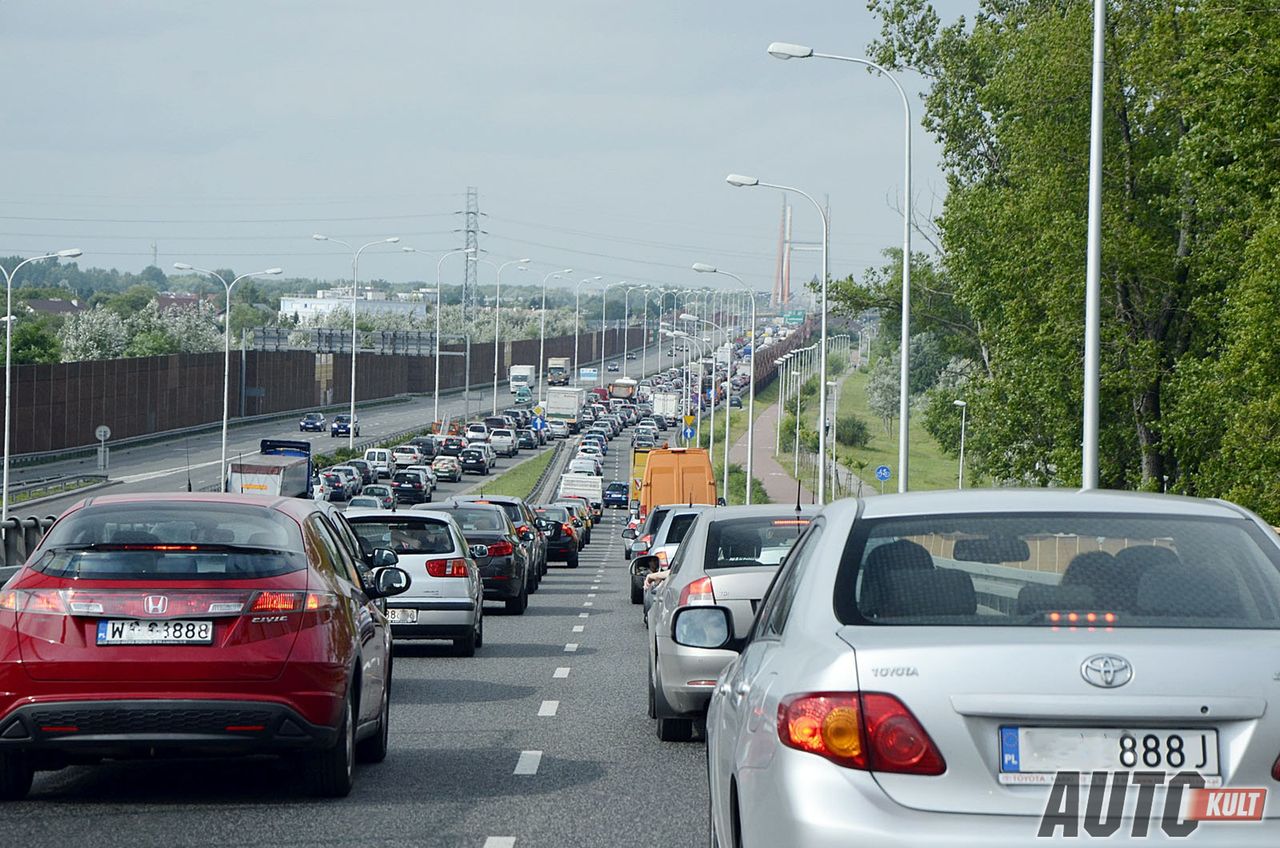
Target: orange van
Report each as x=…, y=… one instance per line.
x=677, y=476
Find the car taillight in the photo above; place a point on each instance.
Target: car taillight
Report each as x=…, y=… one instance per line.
x=523, y=528
x=1275, y=770
x=292, y=602
x=503, y=548
x=447, y=567
x=697, y=592
x=37, y=601
x=567, y=529
x=871, y=731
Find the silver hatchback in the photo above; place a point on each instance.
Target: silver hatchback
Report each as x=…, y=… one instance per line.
x=999, y=668
x=728, y=557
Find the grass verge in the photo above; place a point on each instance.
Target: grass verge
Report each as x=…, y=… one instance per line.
x=518, y=481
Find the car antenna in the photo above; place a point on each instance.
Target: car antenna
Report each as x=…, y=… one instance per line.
x=186, y=444
x=240, y=459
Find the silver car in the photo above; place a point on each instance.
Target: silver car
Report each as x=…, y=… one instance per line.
x=445, y=599
x=990, y=667
x=728, y=557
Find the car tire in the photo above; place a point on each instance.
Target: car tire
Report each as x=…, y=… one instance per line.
x=16, y=774
x=332, y=771
x=465, y=646
x=572, y=562
x=675, y=729
x=480, y=629
x=374, y=749
x=520, y=603
x=653, y=708
x=637, y=592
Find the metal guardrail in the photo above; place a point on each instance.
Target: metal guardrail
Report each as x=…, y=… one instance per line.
x=552, y=471
x=21, y=535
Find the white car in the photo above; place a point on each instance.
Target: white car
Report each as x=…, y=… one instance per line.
x=504, y=442
x=557, y=429
x=477, y=433
x=585, y=465
x=406, y=455
x=381, y=461
x=589, y=449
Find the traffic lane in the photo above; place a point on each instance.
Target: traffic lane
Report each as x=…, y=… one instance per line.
x=461, y=730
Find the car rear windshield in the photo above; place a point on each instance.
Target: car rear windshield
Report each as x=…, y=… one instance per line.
x=406, y=477
x=511, y=509
x=1060, y=570
x=745, y=542
x=404, y=536
x=174, y=541
x=555, y=513
x=501, y=433
x=479, y=519
x=617, y=487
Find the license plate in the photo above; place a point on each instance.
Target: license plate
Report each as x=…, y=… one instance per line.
x=402, y=616
x=1034, y=754
x=118, y=631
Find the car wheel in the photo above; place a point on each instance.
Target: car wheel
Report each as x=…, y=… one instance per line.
x=480, y=629
x=520, y=603
x=572, y=562
x=637, y=592
x=16, y=774
x=374, y=749
x=675, y=729
x=466, y=645
x=653, y=709
x=332, y=771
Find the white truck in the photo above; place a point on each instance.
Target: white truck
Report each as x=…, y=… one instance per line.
x=522, y=375
x=586, y=486
x=565, y=403
x=666, y=404
x=558, y=368
x=278, y=474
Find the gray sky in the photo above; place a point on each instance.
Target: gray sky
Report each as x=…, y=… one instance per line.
x=598, y=133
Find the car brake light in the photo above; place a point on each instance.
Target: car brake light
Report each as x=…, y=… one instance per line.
x=523, y=528
x=697, y=592
x=871, y=731
x=566, y=528
x=1275, y=770
x=276, y=602
x=447, y=567
x=317, y=601
x=503, y=548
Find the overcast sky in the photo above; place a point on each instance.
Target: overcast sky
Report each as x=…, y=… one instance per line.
x=598, y=134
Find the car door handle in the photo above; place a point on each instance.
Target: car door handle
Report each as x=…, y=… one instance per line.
x=741, y=688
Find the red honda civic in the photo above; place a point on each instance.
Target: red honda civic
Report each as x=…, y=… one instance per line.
x=196, y=624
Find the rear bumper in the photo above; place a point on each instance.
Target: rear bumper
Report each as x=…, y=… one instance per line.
x=136, y=727
x=442, y=619
x=680, y=665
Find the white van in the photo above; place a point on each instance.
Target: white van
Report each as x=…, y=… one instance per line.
x=381, y=461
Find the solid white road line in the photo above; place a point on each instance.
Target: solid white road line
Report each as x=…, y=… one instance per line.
x=571, y=647
x=528, y=762
x=548, y=708
x=561, y=672
x=500, y=842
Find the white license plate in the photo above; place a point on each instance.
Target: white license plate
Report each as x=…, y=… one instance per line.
x=120, y=631
x=1034, y=754
x=402, y=616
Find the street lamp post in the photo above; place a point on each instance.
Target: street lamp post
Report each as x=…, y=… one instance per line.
x=703, y=268
x=69, y=253
x=1093, y=258
x=626, y=325
x=781, y=363
x=542, y=335
x=577, y=308
x=743, y=182
x=782, y=50
x=964, y=409
x=711, y=446
x=497, y=314
x=355, y=272
x=226, y=351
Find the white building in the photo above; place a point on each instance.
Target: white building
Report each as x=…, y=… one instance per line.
x=310, y=309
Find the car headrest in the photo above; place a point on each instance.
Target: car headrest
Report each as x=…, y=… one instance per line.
x=1181, y=590
x=133, y=537
x=1037, y=597
x=919, y=592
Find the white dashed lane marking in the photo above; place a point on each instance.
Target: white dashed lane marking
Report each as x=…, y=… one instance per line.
x=548, y=708
x=578, y=628
x=584, y=615
x=571, y=647
x=500, y=842
x=528, y=762
x=561, y=672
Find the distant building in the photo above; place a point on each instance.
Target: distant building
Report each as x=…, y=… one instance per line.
x=174, y=300
x=309, y=309
x=55, y=306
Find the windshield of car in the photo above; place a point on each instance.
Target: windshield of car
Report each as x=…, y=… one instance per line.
x=1060, y=570
x=617, y=488
x=404, y=535
x=470, y=519
x=679, y=525
x=555, y=513
x=744, y=542
x=187, y=541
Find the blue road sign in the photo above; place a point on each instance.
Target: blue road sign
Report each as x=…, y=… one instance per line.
x=688, y=432
x=538, y=423
x=883, y=473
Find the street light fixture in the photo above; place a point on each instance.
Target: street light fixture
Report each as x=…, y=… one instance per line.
x=226, y=351
x=748, y=182
x=784, y=50
x=69, y=253
x=355, y=272
x=964, y=409
x=542, y=335
x=704, y=268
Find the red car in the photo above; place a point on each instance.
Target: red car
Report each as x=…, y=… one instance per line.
x=196, y=624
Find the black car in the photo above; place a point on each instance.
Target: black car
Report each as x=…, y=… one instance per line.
x=453, y=445
x=312, y=422
x=342, y=426
x=411, y=487
x=426, y=445
x=473, y=460
x=521, y=515
x=367, y=474
x=527, y=439
x=520, y=414
x=617, y=494
x=505, y=570
x=612, y=367
x=631, y=354
x=562, y=540
x=335, y=486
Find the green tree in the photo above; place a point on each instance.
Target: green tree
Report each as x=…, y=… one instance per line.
x=34, y=341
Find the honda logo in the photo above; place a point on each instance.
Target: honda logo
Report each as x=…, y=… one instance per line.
x=155, y=604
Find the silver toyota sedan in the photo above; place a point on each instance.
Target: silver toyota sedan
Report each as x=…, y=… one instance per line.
x=1000, y=668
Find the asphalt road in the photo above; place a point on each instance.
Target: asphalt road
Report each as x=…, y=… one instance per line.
x=541, y=739
x=163, y=466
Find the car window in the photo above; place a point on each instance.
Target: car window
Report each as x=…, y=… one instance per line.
x=678, y=526
x=745, y=542
x=776, y=606
x=404, y=535
x=1060, y=569
x=479, y=519
x=342, y=562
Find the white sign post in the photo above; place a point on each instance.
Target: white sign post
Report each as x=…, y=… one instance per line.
x=102, y=433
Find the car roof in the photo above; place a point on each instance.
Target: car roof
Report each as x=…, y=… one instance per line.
x=298, y=508
x=498, y=499
x=401, y=514
x=987, y=501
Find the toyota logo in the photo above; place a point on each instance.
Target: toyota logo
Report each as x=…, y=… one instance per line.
x=1106, y=671
x=155, y=604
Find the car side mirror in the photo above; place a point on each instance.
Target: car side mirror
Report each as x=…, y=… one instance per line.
x=703, y=627
x=720, y=502
x=648, y=564
x=390, y=581
x=479, y=550
x=629, y=533
x=383, y=558
x=527, y=536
